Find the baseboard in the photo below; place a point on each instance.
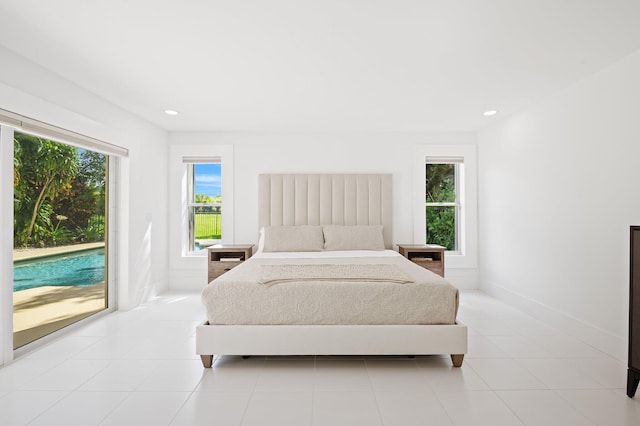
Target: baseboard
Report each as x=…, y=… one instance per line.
x=602, y=340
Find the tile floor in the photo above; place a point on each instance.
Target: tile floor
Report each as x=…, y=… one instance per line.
x=139, y=367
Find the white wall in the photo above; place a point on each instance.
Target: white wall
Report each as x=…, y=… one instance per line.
x=256, y=153
x=29, y=90
x=558, y=191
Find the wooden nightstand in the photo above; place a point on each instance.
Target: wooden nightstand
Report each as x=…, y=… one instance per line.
x=223, y=257
x=429, y=256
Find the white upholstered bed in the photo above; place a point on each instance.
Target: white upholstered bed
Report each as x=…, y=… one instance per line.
x=343, y=315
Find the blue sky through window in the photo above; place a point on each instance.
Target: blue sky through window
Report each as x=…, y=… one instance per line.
x=207, y=179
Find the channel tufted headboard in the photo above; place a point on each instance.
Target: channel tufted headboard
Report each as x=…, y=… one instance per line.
x=326, y=199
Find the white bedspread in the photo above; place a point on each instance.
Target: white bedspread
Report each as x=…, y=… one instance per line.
x=236, y=297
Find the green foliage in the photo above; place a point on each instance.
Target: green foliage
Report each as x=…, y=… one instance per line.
x=59, y=235
x=43, y=224
x=94, y=231
x=201, y=198
x=85, y=196
x=441, y=226
x=440, y=183
x=57, y=188
x=45, y=167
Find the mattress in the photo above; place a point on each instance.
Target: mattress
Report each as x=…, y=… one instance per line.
x=237, y=298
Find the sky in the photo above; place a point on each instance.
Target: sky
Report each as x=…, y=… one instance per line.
x=207, y=179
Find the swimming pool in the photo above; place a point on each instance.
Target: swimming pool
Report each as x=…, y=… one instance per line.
x=78, y=269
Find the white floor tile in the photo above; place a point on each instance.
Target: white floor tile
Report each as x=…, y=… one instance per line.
x=68, y=375
x=609, y=372
x=542, y=408
x=174, y=375
x=562, y=346
x=411, y=409
x=147, y=408
x=341, y=375
x=477, y=408
x=560, y=373
x=20, y=407
x=100, y=328
x=64, y=348
x=397, y=375
x=505, y=374
x=518, y=347
x=213, y=408
x=605, y=407
x=122, y=375
x=232, y=374
x=345, y=409
x=80, y=409
x=277, y=408
x=482, y=347
x=527, y=326
x=111, y=347
x=453, y=379
x=166, y=347
x=140, y=367
x=286, y=375
x=22, y=371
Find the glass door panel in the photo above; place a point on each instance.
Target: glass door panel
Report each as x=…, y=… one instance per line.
x=60, y=236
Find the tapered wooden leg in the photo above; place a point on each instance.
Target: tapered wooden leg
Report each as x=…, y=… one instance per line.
x=457, y=360
x=633, y=379
x=207, y=360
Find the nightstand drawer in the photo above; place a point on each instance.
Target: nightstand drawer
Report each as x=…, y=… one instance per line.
x=218, y=268
x=430, y=264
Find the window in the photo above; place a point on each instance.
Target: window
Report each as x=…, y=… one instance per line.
x=442, y=202
x=204, y=204
x=445, y=201
x=201, y=203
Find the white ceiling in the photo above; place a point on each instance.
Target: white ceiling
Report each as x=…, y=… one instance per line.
x=322, y=65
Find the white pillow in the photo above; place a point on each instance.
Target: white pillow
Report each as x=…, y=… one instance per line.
x=293, y=238
x=338, y=237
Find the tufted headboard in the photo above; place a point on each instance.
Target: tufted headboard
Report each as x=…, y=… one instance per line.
x=325, y=199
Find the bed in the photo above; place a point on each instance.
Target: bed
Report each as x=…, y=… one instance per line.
x=325, y=282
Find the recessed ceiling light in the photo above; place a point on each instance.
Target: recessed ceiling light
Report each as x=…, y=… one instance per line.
x=490, y=112
x=171, y=112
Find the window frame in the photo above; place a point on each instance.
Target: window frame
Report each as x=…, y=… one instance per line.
x=457, y=205
x=179, y=156
x=466, y=186
x=191, y=200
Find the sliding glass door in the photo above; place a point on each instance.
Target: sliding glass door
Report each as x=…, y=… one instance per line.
x=59, y=236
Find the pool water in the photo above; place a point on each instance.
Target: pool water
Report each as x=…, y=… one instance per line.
x=78, y=269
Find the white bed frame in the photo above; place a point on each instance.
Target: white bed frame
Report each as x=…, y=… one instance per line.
x=320, y=200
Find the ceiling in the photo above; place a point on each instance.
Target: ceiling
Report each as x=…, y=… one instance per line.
x=322, y=65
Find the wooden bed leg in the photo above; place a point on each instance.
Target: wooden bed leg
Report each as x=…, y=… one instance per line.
x=457, y=360
x=207, y=360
